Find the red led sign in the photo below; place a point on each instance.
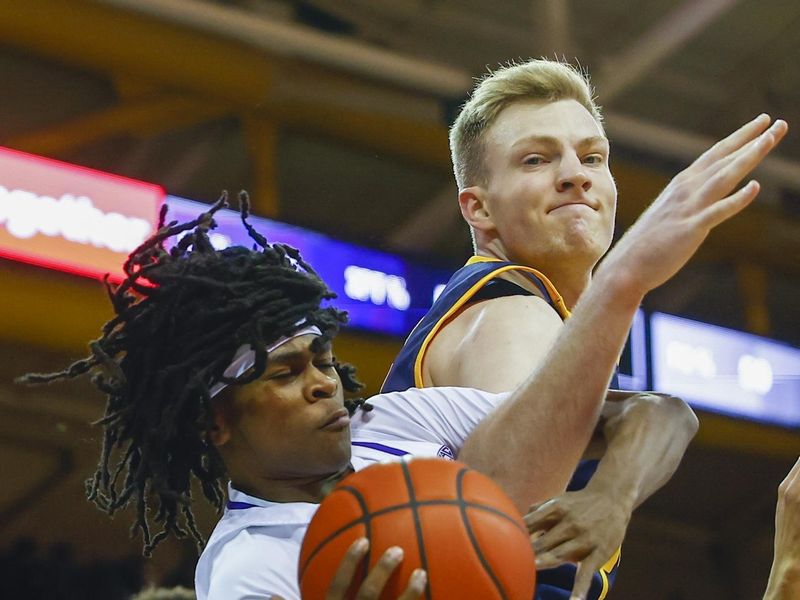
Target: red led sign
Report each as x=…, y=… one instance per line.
x=71, y=218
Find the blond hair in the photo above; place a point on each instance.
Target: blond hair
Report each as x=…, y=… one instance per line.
x=538, y=80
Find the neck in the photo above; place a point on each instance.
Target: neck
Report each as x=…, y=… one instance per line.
x=301, y=489
x=569, y=278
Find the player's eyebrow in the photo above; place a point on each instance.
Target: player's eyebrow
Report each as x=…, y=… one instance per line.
x=594, y=141
x=544, y=140
x=281, y=355
x=552, y=142
x=278, y=356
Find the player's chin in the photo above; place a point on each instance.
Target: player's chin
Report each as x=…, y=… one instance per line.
x=337, y=446
x=588, y=238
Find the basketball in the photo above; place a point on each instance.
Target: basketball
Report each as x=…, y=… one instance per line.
x=454, y=522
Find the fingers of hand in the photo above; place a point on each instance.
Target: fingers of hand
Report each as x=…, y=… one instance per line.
x=555, y=537
x=583, y=580
x=376, y=579
x=416, y=585
x=733, y=142
x=721, y=177
x=347, y=568
x=727, y=207
x=571, y=550
x=543, y=516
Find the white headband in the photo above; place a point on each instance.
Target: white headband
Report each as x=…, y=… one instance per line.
x=245, y=357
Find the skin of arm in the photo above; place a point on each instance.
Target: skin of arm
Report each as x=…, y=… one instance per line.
x=553, y=403
x=645, y=435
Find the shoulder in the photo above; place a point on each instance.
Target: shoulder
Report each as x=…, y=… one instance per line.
x=425, y=415
x=249, y=560
x=493, y=344
x=499, y=319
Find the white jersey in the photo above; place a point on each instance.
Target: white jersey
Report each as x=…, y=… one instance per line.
x=254, y=550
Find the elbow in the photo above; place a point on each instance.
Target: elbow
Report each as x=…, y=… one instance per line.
x=670, y=413
x=674, y=415
x=684, y=417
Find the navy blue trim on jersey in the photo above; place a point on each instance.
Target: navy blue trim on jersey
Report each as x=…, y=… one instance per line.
x=401, y=374
x=380, y=448
x=232, y=505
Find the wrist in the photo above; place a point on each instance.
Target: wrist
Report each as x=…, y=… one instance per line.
x=623, y=493
x=618, y=285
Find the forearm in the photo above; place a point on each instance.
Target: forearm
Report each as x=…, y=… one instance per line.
x=645, y=444
x=531, y=443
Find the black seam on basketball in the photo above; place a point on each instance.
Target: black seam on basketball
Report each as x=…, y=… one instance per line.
x=396, y=507
x=366, y=520
x=468, y=527
x=367, y=523
x=412, y=502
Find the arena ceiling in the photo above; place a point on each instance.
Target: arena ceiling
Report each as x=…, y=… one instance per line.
x=334, y=114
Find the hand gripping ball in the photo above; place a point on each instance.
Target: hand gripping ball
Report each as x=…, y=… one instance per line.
x=454, y=522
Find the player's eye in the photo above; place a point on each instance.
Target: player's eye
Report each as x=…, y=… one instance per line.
x=280, y=375
x=593, y=159
x=534, y=159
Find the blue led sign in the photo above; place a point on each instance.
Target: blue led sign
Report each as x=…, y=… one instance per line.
x=381, y=292
x=726, y=371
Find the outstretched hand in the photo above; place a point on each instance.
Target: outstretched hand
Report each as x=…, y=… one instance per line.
x=586, y=527
x=698, y=199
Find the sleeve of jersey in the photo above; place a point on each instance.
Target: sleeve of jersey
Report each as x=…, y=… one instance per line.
x=443, y=415
x=252, y=567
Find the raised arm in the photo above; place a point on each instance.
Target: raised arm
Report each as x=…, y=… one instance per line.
x=531, y=443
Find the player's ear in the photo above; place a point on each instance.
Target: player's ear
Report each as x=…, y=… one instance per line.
x=474, y=208
x=221, y=419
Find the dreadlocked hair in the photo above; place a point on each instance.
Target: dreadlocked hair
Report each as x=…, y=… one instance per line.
x=180, y=316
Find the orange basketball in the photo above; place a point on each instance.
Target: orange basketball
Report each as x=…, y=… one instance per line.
x=454, y=522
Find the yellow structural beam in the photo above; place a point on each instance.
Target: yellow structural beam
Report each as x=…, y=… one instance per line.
x=421, y=143
x=744, y=436
x=103, y=38
x=753, y=288
x=146, y=116
x=262, y=140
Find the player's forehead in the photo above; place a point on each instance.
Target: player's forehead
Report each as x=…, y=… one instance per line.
x=306, y=345
x=565, y=122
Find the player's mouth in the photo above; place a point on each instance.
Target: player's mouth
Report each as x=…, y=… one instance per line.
x=576, y=205
x=337, y=421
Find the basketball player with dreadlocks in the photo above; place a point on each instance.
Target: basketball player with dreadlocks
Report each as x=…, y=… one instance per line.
x=218, y=367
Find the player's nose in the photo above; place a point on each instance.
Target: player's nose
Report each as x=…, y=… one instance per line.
x=572, y=173
x=322, y=385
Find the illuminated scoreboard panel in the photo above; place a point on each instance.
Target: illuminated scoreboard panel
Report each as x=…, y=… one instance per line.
x=381, y=292
x=71, y=218
x=726, y=371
